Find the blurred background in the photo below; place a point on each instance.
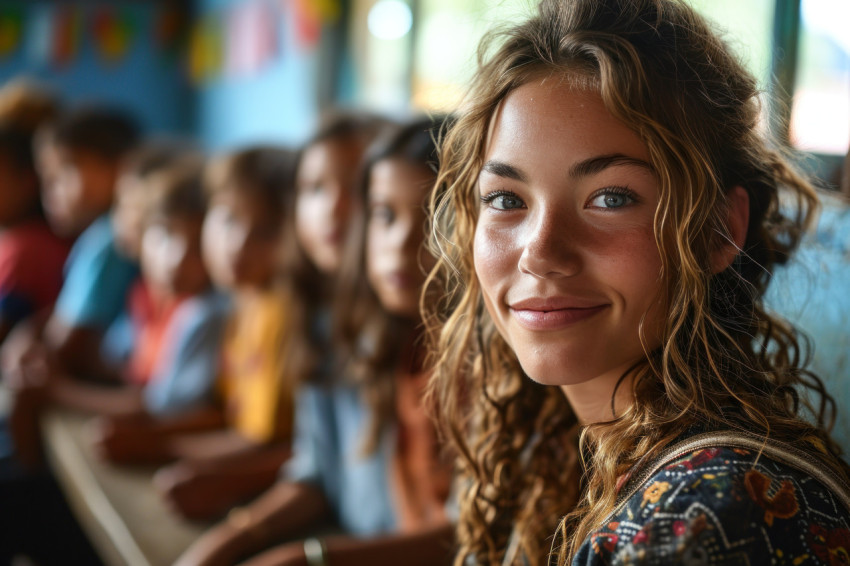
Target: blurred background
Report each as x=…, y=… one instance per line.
x=229, y=72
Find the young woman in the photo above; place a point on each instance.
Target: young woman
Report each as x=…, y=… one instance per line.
x=611, y=219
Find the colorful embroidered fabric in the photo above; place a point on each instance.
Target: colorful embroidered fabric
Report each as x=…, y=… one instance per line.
x=724, y=506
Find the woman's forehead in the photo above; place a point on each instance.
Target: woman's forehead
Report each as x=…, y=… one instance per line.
x=551, y=125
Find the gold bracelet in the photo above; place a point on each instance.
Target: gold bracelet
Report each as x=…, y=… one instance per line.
x=315, y=552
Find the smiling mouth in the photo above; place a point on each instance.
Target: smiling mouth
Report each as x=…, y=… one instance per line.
x=400, y=279
x=554, y=319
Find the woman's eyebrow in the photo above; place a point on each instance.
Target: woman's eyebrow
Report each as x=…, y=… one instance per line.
x=594, y=165
x=502, y=169
x=589, y=166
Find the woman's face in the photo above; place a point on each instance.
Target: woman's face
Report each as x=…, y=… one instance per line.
x=395, y=257
x=325, y=183
x=564, y=247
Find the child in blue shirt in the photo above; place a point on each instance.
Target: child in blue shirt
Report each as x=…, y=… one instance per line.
x=79, y=157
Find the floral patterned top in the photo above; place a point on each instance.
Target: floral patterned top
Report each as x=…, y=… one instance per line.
x=724, y=505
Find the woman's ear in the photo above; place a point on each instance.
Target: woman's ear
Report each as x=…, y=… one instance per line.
x=737, y=222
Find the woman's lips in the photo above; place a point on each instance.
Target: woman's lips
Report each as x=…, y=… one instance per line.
x=333, y=238
x=555, y=319
x=400, y=279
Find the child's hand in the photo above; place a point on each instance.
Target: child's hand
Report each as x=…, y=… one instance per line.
x=190, y=491
x=17, y=343
x=126, y=441
x=25, y=361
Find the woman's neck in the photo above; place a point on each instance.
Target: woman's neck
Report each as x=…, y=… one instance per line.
x=601, y=399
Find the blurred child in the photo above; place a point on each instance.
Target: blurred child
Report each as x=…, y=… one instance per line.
x=133, y=192
x=383, y=330
x=79, y=157
x=177, y=318
x=31, y=256
x=365, y=452
x=133, y=189
x=31, y=260
x=242, y=248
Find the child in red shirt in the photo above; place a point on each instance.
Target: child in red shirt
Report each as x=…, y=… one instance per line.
x=31, y=256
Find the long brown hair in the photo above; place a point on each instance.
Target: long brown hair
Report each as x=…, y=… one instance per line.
x=724, y=362
x=312, y=292
x=373, y=342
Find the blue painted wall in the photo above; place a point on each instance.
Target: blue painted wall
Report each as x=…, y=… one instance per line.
x=146, y=82
x=276, y=104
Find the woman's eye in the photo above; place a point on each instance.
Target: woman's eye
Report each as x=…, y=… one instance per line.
x=310, y=187
x=611, y=199
x=503, y=201
x=382, y=214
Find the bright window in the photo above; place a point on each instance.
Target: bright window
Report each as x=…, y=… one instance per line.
x=449, y=31
x=820, y=117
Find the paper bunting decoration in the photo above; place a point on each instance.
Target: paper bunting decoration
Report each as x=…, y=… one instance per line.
x=205, y=49
x=251, y=37
x=11, y=29
x=113, y=32
x=170, y=29
x=311, y=15
x=66, y=35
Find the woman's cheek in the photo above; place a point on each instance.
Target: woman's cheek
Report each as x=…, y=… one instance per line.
x=493, y=251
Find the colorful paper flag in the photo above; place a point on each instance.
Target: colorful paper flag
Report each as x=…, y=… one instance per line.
x=113, y=32
x=11, y=29
x=67, y=22
x=251, y=37
x=170, y=29
x=311, y=16
x=205, y=48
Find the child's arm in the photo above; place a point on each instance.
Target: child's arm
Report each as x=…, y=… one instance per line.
x=96, y=399
x=222, y=444
x=143, y=440
x=78, y=350
x=93, y=296
x=284, y=511
x=426, y=548
x=203, y=490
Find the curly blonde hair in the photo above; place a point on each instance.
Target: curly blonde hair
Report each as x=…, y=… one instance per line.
x=724, y=361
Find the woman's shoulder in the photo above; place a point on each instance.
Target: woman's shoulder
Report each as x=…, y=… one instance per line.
x=725, y=505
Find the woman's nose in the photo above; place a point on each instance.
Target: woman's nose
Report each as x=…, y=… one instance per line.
x=550, y=243
x=341, y=204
